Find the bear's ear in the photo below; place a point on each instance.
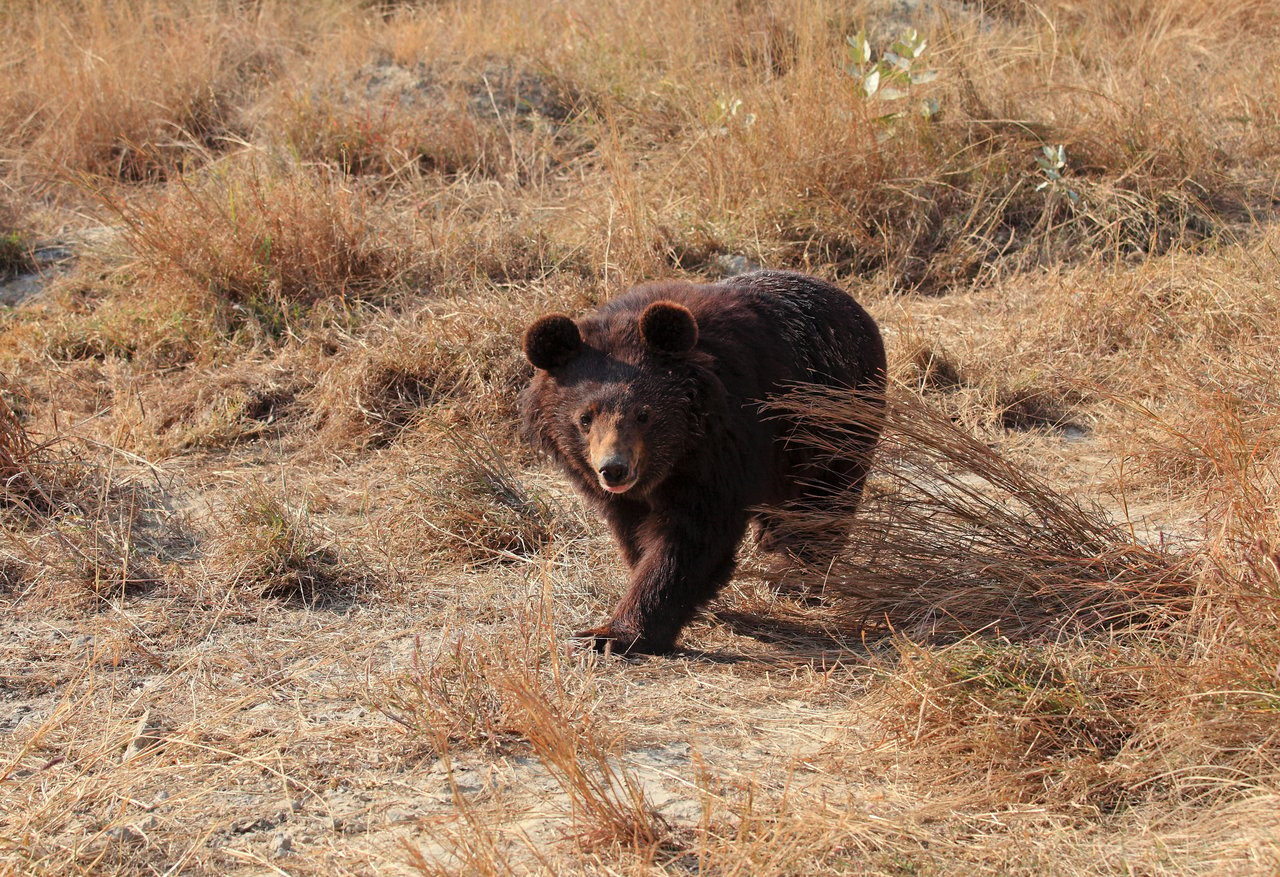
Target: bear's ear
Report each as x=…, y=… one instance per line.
x=668, y=327
x=552, y=341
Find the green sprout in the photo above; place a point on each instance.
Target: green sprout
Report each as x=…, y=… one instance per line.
x=1052, y=162
x=896, y=74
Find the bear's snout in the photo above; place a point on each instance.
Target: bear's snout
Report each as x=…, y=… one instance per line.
x=614, y=448
x=615, y=474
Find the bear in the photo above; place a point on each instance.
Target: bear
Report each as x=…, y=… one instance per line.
x=653, y=407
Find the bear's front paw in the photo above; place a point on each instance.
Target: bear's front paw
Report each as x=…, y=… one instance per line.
x=612, y=639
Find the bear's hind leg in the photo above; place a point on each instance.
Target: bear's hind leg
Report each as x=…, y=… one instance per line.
x=811, y=531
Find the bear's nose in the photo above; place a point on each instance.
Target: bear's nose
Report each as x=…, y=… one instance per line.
x=614, y=473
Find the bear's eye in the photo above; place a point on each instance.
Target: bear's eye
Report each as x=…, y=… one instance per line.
x=584, y=420
x=642, y=416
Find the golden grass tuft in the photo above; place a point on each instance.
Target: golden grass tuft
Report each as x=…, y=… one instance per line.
x=388, y=120
x=16, y=244
x=17, y=453
x=471, y=698
x=447, y=700
x=609, y=804
x=272, y=547
x=264, y=244
x=452, y=363
x=952, y=537
x=386, y=139
x=78, y=535
x=129, y=92
x=41, y=477
x=1030, y=723
x=504, y=693
x=203, y=408
x=98, y=314
x=484, y=512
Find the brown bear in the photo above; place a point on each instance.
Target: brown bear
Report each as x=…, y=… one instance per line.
x=653, y=408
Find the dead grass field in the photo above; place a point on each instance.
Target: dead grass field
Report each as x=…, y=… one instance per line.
x=280, y=591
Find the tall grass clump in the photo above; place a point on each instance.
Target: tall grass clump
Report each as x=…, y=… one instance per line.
x=609, y=806
x=16, y=244
x=74, y=529
x=453, y=362
x=17, y=453
x=1043, y=652
x=1027, y=722
x=40, y=477
x=271, y=546
x=485, y=512
x=933, y=182
x=129, y=91
x=203, y=407
x=1237, y=618
x=954, y=537
x=389, y=138
x=264, y=243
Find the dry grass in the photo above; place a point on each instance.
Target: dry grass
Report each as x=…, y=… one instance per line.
x=16, y=455
x=281, y=591
x=133, y=92
x=202, y=408
x=263, y=245
x=15, y=241
x=451, y=364
x=484, y=512
x=954, y=538
x=272, y=548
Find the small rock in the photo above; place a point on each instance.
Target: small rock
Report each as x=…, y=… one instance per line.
x=147, y=733
x=249, y=824
x=19, y=289
x=281, y=844
x=159, y=798
x=11, y=724
x=349, y=826
x=126, y=834
x=54, y=253
x=733, y=264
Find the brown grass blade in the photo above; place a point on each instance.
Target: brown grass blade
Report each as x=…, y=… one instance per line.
x=954, y=536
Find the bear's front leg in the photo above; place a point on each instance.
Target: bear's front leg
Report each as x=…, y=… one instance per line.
x=686, y=560
x=625, y=518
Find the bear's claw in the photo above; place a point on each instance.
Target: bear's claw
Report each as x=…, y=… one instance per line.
x=609, y=640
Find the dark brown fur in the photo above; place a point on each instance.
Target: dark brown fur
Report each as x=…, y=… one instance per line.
x=658, y=396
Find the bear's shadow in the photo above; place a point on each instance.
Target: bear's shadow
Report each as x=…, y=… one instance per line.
x=818, y=638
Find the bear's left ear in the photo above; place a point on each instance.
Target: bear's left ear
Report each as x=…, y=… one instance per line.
x=552, y=341
x=669, y=327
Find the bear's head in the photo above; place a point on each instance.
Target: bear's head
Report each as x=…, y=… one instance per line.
x=620, y=404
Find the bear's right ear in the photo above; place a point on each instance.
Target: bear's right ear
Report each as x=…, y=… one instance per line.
x=669, y=328
x=552, y=341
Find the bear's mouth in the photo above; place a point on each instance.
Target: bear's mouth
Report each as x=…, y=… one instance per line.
x=619, y=488
x=616, y=472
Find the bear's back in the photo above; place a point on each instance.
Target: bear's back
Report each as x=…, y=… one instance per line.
x=760, y=329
